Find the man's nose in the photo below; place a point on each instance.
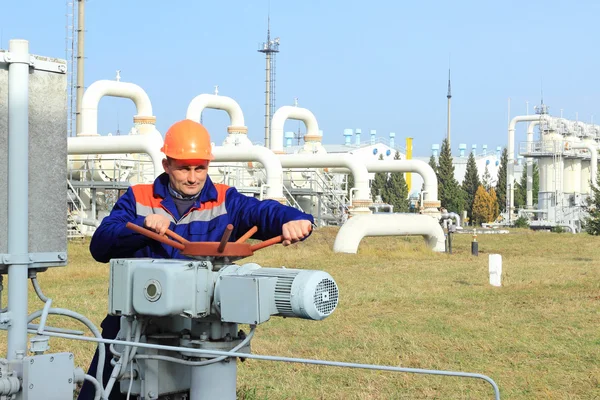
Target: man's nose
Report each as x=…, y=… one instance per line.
x=192, y=176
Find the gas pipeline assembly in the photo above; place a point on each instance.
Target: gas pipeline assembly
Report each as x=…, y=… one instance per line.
x=311, y=179
x=567, y=156
x=179, y=336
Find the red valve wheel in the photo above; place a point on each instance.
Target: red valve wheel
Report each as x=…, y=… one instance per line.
x=223, y=248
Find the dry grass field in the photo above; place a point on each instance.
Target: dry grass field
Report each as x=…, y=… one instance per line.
x=538, y=336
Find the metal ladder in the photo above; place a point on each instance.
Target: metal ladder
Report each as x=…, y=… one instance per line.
x=74, y=206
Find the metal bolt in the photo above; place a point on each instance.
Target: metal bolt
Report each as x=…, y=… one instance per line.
x=70, y=380
x=31, y=386
x=151, y=395
x=62, y=68
x=51, y=359
x=7, y=58
x=62, y=256
x=31, y=361
x=30, y=257
x=70, y=356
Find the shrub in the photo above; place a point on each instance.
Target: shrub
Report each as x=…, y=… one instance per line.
x=522, y=222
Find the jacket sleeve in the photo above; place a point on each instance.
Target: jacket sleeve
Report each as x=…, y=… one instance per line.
x=112, y=239
x=268, y=215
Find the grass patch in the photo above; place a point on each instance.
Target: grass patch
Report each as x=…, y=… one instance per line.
x=402, y=305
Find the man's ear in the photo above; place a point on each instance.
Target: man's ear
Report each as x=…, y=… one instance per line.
x=165, y=164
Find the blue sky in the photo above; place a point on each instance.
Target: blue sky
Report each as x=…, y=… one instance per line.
x=372, y=65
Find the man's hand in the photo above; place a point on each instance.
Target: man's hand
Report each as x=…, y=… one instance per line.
x=294, y=231
x=158, y=223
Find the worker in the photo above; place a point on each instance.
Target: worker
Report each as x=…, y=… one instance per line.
x=186, y=201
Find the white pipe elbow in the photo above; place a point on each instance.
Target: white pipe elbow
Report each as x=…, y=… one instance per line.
x=288, y=112
x=203, y=101
x=417, y=166
x=353, y=163
x=150, y=144
x=357, y=227
x=97, y=90
x=262, y=155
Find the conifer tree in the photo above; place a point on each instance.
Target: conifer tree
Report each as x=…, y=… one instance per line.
x=482, y=207
x=396, y=190
x=433, y=164
x=494, y=206
x=593, y=221
x=521, y=190
x=501, y=182
x=450, y=193
x=536, y=182
x=379, y=183
x=487, y=179
x=470, y=183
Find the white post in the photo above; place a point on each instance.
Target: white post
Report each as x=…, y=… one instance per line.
x=495, y=266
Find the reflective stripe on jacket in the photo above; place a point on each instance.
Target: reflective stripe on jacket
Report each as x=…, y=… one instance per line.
x=217, y=206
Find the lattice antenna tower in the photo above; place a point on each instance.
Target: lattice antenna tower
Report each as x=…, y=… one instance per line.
x=270, y=48
x=70, y=56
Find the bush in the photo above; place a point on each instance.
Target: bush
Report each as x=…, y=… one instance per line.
x=522, y=222
x=558, y=229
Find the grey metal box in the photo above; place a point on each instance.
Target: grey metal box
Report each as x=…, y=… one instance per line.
x=47, y=159
x=181, y=287
x=246, y=299
x=48, y=377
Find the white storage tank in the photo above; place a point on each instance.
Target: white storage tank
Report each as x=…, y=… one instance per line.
x=586, y=170
x=572, y=168
x=551, y=169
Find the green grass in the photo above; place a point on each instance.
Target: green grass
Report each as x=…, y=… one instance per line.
x=400, y=304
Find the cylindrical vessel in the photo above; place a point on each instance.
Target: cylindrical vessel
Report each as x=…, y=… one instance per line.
x=551, y=169
x=586, y=170
x=572, y=169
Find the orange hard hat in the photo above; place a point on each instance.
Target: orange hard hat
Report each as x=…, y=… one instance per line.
x=187, y=140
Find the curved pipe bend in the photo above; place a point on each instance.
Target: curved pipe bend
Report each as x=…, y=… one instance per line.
x=149, y=143
x=261, y=154
x=417, y=166
x=289, y=112
x=357, y=227
x=203, y=101
x=99, y=89
x=352, y=162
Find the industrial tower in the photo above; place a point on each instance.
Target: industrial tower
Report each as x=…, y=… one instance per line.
x=270, y=48
x=449, y=97
x=74, y=51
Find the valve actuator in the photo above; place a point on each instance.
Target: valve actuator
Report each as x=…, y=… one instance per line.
x=247, y=294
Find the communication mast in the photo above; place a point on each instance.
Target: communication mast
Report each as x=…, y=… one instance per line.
x=74, y=43
x=270, y=48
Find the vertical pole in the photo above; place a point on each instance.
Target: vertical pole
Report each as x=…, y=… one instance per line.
x=18, y=193
x=214, y=381
x=268, y=102
x=509, y=171
x=409, y=148
x=80, y=61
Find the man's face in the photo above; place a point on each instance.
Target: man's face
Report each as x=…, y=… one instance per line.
x=186, y=176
